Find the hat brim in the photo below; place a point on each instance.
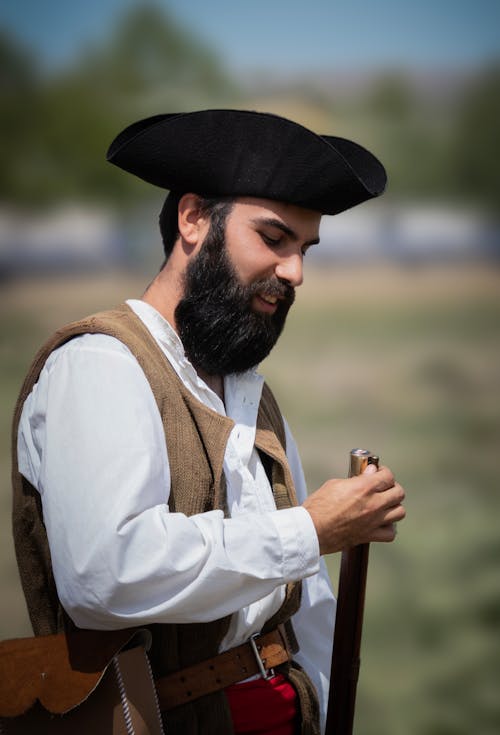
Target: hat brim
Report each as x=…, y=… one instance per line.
x=244, y=153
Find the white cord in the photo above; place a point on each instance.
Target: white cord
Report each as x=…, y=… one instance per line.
x=162, y=731
x=123, y=696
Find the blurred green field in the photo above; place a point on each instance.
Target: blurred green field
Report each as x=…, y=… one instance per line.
x=406, y=363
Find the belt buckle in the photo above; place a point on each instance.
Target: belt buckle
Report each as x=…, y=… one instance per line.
x=266, y=674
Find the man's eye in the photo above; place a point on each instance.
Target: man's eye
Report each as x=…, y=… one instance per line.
x=273, y=242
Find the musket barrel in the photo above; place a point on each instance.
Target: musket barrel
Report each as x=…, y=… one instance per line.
x=348, y=622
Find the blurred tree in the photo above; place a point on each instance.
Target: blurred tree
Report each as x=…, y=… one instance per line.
x=17, y=67
x=392, y=98
x=58, y=127
x=19, y=108
x=477, y=140
x=412, y=136
x=151, y=53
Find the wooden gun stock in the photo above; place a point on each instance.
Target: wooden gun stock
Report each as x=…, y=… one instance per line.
x=348, y=623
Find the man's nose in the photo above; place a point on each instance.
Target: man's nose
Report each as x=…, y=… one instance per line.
x=290, y=269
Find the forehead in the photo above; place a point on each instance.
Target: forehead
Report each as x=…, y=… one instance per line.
x=304, y=222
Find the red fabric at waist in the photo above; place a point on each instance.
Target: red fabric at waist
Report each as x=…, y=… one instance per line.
x=261, y=707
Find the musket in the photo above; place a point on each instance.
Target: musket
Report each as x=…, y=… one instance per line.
x=348, y=623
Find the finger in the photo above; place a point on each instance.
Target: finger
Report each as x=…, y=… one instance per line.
x=394, y=515
x=385, y=533
x=393, y=496
x=390, y=508
x=373, y=479
x=384, y=480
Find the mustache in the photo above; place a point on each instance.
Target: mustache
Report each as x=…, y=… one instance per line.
x=217, y=292
x=273, y=287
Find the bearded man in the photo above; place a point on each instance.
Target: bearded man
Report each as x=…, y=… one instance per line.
x=163, y=483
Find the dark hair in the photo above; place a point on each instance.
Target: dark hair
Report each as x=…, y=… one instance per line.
x=168, y=220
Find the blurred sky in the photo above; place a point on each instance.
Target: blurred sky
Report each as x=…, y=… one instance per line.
x=282, y=34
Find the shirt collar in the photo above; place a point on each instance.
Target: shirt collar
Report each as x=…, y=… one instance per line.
x=237, y=388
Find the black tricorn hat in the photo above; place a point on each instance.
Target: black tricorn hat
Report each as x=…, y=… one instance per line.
x=244, y=153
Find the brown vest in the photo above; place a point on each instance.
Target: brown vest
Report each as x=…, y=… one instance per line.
x=196, y=438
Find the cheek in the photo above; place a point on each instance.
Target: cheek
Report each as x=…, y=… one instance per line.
x=247, y=272
x=251, y=259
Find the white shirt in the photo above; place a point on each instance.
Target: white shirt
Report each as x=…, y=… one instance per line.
x=92, y=442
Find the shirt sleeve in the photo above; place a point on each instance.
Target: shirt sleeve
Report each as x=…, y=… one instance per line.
x=315, y=620
x=92, y=442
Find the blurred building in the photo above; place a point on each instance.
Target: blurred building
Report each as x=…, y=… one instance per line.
x=70, y=237
x=76, y=237
x=413, y=232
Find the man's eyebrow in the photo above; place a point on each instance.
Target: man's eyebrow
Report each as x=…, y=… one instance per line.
x=272, y=222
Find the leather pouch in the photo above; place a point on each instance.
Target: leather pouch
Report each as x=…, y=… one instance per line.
x=82, y=682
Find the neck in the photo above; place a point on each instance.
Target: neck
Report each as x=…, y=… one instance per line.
x=215, y=382
x=164, y=293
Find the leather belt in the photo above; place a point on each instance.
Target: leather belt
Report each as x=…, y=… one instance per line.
x=260, y=654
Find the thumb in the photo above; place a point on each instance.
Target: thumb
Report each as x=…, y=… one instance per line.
x=370, y=469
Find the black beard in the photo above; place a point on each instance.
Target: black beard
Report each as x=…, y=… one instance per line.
x=220, y=331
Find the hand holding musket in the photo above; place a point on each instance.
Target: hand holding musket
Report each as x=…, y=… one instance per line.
x=358, y=510
x=349, y=620
x=348, y=515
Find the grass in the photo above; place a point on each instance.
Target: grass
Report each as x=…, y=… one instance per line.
x=406, y=363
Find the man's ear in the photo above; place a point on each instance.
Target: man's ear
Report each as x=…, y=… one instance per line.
x=193, y=225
